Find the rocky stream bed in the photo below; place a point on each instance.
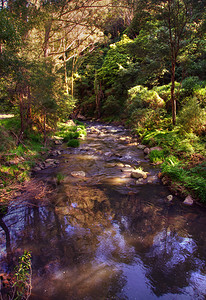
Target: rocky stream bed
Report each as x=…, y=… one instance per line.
x=108, y=228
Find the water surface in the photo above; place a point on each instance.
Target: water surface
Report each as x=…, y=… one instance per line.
x=105, y=235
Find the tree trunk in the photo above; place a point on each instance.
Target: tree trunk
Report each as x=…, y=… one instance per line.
x=45, y=129
x=174, y=109
x=65, y=69
x=21, y=110
x=46, y=38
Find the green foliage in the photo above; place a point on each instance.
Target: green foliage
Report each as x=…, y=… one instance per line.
x=192, y=117
x=73, y=143
x=190, y=84
x=157, y=156
x=23, y=274
x=191, y=178
x=60, y=177
x=141, y=97
x=116, y=59
x=9, y=34
x=71, y=134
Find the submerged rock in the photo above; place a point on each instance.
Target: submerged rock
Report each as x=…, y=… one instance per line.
x=188, y=200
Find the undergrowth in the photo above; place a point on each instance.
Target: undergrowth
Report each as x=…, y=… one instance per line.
x=182, y=157
x=71, y=134
x=18, y=156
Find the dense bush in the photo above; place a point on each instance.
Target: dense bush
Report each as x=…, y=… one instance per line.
x=192, y=117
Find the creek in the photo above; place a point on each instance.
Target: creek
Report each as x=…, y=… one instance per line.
x=106, y=235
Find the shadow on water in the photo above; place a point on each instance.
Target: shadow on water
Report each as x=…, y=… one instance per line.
x=105, y=235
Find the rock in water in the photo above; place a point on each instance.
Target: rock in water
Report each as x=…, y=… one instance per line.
x=147, y=151
x=139, y=174
x=78, y=174
x=188, y=200
x=141, y=147
x=169, y=197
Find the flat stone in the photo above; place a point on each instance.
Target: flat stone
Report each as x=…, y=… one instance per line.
x=138, y=174
x=188, y=201
x=156, y=148
x=120, y=165
x=110, y=165
x=127, y=169
x=50, y=161
x=141, y=147
x=78, y=174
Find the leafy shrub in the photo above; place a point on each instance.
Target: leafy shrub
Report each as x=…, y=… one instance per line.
x=190, y=84
x=200, y=95
x=192, y=118
x=147, y=119
x=73, y=143
x=157, y=156
x=69, y=135
x=140, y=97
x=191, y=178
x=164, y=91
x=22, y=285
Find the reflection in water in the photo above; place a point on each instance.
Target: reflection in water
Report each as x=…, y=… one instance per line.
x=104, y=237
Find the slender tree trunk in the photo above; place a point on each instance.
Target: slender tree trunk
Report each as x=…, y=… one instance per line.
x=21, y=110
x=174, y=108
x=65, y=69
x=72, y=83
x=46, y=38
x=45, y=129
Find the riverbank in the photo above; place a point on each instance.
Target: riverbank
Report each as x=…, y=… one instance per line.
x=181, y=155
x=20, y=156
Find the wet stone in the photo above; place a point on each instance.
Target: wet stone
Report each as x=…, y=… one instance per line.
x=147, y=151
x=139, y=174
x=151, y=179
x=188, y=201
x=141, y=147
x=78, y=174
x=169, y=197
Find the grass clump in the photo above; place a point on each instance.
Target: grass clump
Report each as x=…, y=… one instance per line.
x=192, y=178
x=73, y=143
x=18, y=155
x=157, y=156
x=71, y=134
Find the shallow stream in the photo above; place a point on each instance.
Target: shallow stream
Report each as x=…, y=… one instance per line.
x=107, y=235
